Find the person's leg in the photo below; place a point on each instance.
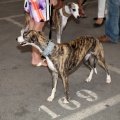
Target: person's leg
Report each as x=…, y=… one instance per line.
x=81, y=11
x=101, y=8
x=36, y=57
x=101, y=13
x=113, y=20
x=60, y=4
x=112, y=27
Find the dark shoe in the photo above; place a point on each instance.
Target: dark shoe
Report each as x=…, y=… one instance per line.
x=97, y=18
x=104, y=38
x=99, y=24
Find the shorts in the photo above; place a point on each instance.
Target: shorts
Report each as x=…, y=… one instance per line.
x=39, y=10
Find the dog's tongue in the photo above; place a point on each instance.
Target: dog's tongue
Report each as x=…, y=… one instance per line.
x=22, y=43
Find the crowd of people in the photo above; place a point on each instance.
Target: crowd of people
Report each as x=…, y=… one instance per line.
x=111, y=18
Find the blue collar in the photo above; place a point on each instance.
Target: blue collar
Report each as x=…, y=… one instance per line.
x=49, y=49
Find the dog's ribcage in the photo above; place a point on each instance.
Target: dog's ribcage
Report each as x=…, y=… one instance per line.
x=72, y=53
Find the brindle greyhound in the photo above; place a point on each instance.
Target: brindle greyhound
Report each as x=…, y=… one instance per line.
x=62, y=58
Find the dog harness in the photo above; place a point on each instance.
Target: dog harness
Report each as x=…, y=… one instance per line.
x=49, y=49
x=39, y=10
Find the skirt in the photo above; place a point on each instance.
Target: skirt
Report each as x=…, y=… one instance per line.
x=39, y=10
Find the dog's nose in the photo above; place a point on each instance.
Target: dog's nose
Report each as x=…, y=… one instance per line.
x=78, y=17
x=16, y=39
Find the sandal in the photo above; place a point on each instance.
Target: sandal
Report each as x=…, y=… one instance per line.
x=82, y=13
x=40, y=63
x=104, y=38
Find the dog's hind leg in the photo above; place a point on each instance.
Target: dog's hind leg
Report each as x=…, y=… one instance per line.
x=91, y=64
x=66, y=87
x=54, y=84
x=105, y=67
x=91, y=72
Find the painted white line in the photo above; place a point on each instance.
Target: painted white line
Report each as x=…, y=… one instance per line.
x=14, y=16
x=10, y=1
x=52, y=114
x=15, y=22
x=114, y=69
x=94, y=109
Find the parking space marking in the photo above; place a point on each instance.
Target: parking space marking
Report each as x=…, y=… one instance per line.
x=14, y=16
x=114, y=69
x=10, y=1
x=14, y=22
x=94, y=109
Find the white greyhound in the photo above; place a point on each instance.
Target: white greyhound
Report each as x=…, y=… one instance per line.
x=61, y=16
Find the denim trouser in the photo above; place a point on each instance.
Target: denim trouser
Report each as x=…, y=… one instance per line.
x=112, y=27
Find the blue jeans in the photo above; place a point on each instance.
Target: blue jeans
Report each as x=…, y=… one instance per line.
x=112, y=27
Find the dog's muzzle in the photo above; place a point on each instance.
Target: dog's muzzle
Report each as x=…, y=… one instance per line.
x=21, y=40
x=78, y=17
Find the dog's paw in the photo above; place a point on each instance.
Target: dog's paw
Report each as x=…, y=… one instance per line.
x=65, y=101
x=50, y=99
x=88, y=79
x=108, y=80
x=95, y=70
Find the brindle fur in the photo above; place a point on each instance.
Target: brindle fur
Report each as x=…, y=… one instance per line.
x=67, y=56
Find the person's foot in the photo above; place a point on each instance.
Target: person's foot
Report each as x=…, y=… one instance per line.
x=42, y=63
x=99, y=22
x=104, y=38
x=39, y=62
x=82, y=13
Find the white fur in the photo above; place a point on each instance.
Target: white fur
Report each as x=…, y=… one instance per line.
x=50, y=64
x=20, y=39
x=50, y=99
x=108, y=80
x=95, y=70
x=90, y=76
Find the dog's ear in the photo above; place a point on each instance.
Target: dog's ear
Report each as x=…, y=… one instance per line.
x=68, y=4
x=34, y=38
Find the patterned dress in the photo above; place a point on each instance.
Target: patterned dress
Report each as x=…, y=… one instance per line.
x=39, y=10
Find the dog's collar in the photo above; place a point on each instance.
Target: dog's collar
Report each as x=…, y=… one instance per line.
x=49, y=49
x=65, y=13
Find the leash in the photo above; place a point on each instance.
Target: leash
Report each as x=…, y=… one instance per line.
x=50, y=33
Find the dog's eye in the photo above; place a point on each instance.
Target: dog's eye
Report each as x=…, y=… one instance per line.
x=74, y=9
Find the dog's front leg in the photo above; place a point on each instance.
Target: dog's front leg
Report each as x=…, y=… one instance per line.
x=54, y=84
x=60, y=29
x=59, y=35
x=66, y=87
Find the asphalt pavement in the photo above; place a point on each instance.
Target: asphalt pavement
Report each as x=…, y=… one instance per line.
x=24, y=89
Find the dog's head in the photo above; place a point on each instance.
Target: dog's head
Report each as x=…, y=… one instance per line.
x=74, y=8
x=34, y=38
x=28, y=38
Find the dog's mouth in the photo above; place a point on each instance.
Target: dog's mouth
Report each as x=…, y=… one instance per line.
x=22, y=43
